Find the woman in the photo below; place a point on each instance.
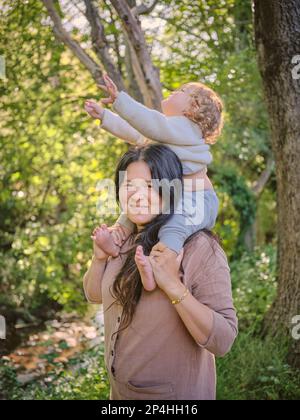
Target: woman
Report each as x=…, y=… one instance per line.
x=161, y=345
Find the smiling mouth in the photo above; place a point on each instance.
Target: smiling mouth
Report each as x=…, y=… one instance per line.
x=139, y=209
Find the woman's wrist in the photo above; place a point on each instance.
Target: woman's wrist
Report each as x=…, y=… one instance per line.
x=99, y=259
x=175, y=290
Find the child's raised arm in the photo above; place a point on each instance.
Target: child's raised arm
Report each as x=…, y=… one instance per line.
x=119, y=127
x=114, y=124
x=152, y=124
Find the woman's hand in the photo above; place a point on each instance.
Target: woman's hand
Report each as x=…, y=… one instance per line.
x=110, y=88
x=119, y=233
x=165, y=264
x=94, y=109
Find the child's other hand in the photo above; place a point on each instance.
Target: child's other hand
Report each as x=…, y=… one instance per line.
x=94, y=109
x=109, y=88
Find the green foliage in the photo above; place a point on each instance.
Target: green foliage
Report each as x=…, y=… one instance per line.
x=235, y=188
x=266, y=217
x=254, y=286
x=52, y=157
x=256, y=369
x=84, y=378
x=9, y=387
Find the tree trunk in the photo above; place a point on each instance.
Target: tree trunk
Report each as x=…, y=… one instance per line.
x=277, y=32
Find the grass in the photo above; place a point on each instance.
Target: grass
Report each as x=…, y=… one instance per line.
x=256, y=369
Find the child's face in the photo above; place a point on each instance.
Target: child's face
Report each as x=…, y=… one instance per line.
x=178, y=101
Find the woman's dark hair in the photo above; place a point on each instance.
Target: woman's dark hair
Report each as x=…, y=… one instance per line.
x=164, y=165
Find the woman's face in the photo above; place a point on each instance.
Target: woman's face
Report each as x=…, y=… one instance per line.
x=138, y=198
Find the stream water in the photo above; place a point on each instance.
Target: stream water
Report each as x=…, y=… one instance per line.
x=34, y=350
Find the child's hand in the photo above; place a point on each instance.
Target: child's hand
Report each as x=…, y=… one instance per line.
x=109, y=88
x=94, y=109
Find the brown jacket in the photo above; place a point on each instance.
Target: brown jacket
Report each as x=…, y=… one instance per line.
x=156, y=358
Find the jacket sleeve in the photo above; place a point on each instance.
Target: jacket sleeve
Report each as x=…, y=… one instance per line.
x=155, y=125
x=212, y=287
x=92, y=282
x=119, y=127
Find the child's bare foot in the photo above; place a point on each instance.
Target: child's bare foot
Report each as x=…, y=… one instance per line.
x=105, y=241
x=145, y=269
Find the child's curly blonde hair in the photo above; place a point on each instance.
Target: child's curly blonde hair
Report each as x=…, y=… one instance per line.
x=206, y=110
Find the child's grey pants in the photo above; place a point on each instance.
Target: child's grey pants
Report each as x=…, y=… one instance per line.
x=196, y=211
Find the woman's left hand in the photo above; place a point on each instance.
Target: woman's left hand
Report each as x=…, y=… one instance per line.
x=165, y=264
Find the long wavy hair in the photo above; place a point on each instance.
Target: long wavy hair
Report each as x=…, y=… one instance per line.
x=164, y=165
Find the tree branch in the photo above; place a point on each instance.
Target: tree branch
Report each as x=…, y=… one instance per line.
x=260, y=184
x=113, y=21
x=143, y=9
x=65, y=37
x=146, y=74
x=100, y=43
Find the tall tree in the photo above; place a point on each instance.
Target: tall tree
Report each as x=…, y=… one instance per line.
x=277, y=32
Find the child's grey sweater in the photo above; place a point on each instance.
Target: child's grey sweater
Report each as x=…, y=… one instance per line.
x=137, y=124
